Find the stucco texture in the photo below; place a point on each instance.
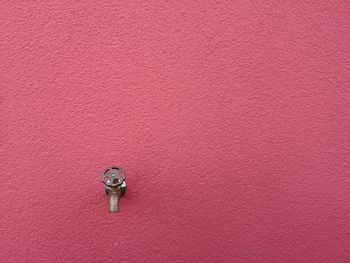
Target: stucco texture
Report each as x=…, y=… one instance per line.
x=231, y=119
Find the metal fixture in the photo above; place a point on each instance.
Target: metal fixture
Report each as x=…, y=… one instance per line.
x=115, y=186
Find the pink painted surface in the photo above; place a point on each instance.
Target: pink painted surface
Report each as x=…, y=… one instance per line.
x=231, y=119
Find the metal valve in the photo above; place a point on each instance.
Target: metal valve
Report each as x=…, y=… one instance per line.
x=115, y=186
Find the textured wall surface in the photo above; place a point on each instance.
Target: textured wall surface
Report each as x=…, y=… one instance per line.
x=231, y=119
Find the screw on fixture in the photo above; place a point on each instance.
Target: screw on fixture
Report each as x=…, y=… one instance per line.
x=115, y=186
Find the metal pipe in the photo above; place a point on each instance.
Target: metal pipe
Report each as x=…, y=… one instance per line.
x=113, y=200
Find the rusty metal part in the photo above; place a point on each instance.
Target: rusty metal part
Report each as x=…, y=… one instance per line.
x=115, y=186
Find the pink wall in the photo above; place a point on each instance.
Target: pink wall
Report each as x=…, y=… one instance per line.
x=231, y=119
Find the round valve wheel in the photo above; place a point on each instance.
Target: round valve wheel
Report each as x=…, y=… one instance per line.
x=113, y=176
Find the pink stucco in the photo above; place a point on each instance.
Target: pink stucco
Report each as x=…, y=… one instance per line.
x=231, y=119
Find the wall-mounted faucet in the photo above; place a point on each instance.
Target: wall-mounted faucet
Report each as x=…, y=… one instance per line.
x=115, y=186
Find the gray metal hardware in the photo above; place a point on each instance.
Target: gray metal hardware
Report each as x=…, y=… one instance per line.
x=115, y=186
